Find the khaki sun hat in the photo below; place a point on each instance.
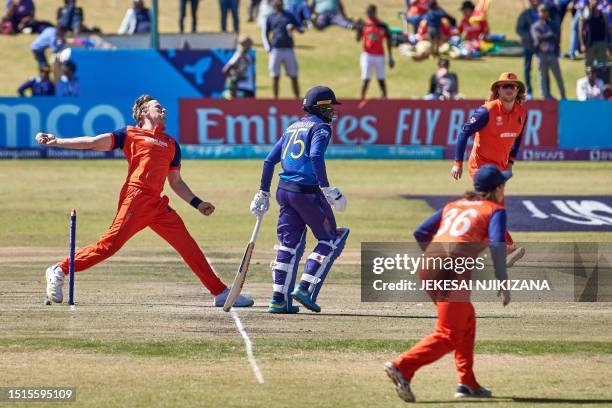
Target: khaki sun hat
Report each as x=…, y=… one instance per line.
x=508, y=77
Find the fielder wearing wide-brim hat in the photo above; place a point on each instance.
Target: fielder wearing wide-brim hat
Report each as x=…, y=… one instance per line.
x=508, y=78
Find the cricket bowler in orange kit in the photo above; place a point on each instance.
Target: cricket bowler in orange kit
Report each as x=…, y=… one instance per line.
x=498, y=127
x=462, y=228
x=153, y=156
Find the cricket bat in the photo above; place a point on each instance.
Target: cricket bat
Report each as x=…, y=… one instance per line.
x=243, y=269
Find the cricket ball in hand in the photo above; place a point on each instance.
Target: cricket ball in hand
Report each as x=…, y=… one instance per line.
x=40, y=137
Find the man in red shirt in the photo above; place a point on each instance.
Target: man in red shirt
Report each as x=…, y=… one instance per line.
x=498, y=128
x=153, y=156
x=374, y=34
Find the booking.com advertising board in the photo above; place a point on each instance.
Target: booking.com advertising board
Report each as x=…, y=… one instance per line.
x=214, y=128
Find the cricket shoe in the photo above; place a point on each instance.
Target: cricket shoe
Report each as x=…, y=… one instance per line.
x=55, y=283
x=514, y=256
x=280, y=307
x=463, y=391
x=303, y=297
x=402, y=387
x=241, y=300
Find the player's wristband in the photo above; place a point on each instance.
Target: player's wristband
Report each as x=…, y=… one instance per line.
x=195, y=202
x=459, y=163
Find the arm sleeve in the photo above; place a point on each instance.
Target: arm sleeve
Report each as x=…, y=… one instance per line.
x=125, y=24
x=426, y=231
x=535, y=36
x=454, y=86
x=477, y=121
x=296, y=24
x=517, y=144
x=580, y=92
x=520, y=26
x=119, y=136
x=320, y=140
x=268, y=167
x=175, y=164
x=497, y=243
x=432, y=84
x=266, y=37
x=26, y=85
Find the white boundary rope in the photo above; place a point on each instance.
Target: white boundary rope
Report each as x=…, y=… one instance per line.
x=249, y=348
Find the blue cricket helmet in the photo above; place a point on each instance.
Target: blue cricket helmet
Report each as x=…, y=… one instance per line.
x=319, y=96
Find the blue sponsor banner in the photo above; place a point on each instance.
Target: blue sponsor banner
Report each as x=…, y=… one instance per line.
x=165, y=74
x=585, y=124
x=333, y=152
x=235, y=152
x=547, y=213
x=22, y=118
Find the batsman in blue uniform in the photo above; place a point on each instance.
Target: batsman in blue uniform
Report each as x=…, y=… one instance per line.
x=305, y=199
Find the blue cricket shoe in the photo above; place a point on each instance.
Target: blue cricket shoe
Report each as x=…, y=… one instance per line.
x=303, y=297
x=280, y=307
x=463, y=391
x=241, y=301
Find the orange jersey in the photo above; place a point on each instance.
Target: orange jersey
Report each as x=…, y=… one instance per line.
x=466, y=220
x=495, y=140
x=151, y=154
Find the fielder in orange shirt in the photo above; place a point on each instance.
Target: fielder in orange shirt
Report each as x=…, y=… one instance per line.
x=153, y=156
x=463, y=228
x=498, y=128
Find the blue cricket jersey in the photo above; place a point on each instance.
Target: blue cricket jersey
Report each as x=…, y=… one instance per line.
x=301, y=152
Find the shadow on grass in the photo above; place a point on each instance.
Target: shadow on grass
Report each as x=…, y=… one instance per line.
x=522, y=400
x=561, y=400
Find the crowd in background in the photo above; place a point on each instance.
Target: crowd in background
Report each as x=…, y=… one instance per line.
x=429, y=30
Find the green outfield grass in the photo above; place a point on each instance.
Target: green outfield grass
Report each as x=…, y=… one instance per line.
x=214, y=350
x=35, y=209
x=330, y=57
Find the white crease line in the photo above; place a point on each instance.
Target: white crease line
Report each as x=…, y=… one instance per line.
x=249, y=348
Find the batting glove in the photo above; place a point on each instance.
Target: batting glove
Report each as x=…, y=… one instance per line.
x=261, y=203
x=335, y=198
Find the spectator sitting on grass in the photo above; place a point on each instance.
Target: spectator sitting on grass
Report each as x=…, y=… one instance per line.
x=300, y=10
x=472, y=29
x=240, y=83
x=51, y=37
x=330, y=12
x=436, y=26
x=19, y=13
x=589, y=87
x=416, y=10
x=68, y=84
x=38, y=86
x=443, y=85
x=607, y=93
x=136, y=20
